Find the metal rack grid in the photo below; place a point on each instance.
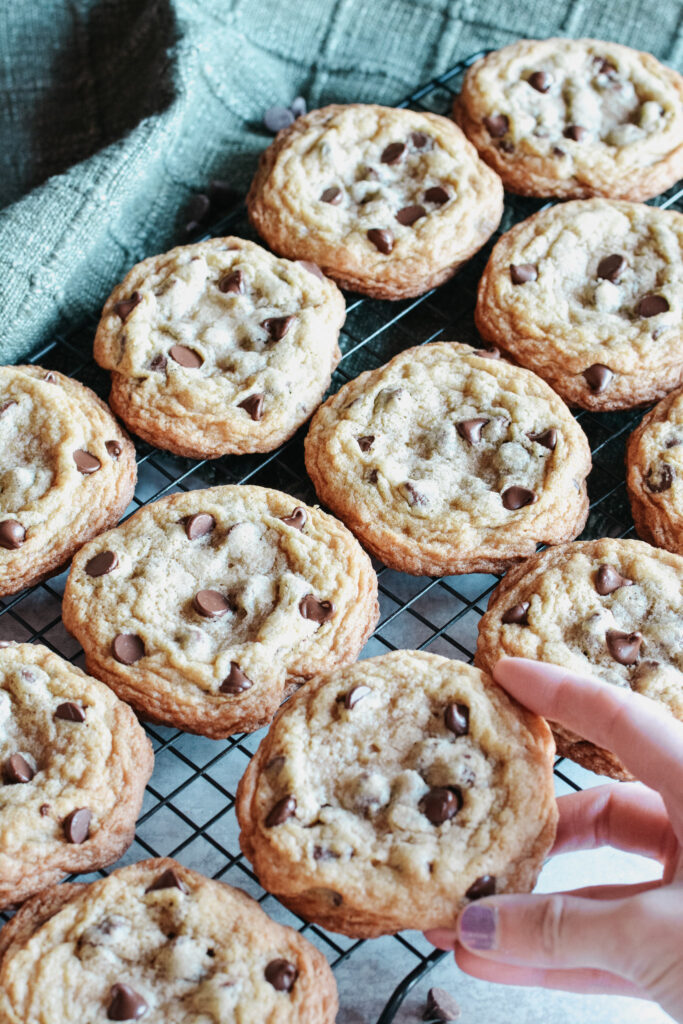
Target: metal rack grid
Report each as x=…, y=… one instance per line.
x=188, y=812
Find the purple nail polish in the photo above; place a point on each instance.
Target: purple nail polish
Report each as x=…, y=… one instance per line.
x=478, y=926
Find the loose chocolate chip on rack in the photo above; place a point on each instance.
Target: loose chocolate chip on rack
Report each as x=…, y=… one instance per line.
x=253, y=405
x=281, y=811
x=113, y=448
x=437, y=194
x=517, y=497
x=485, y=885
x=276, y=118
x=419, y=139
x=158, y=363
x=610, y=268
x=125, y=307
x=168, y=879
x=70, y=712
x=85, y=462
x=516, y=615
x=441, y=1007
x=575, y=132
x=393, y=153
x=232, y=283
x=457, y=719
x=198, y=525
x=407, y=215
x=366, y=443
x=355, y=695
x=312, y=268
x=186, y=357
x=297, y=519
x=382, y=239
x=298, y=106
x=125, y=1003
x=127, y=648
x=497, y=125
x=546, y=438
x=277, y=326
x=520, y=273
x=597, y=377
x=211, y=604
x=319, y=611
x=16, y=770
x=540, y=81
x=102, y=564
x=441, y=804
x=77, y=826
x=662, y=481
x=608, y=579
x=332, y=195
x=235, y=681
x=471, y=430
x=281, y=974
x=652, y=305
x=12, y=534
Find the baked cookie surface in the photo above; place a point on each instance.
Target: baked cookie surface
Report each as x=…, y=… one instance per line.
x=219, y=347
x=159, y=943
x=589, y=295
x=575, y=118
x=388, y=794
x=654, y=474
x=67, y=472
x=606, y=608
x=74, y=763
x=387, y=202
x=213, y=604
x=446, y=461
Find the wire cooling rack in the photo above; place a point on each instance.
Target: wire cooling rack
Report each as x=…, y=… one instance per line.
x=188, y=812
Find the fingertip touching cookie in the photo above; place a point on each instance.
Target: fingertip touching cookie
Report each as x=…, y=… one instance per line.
x=219, y=347
x=387, y=202
x=654, y=474
x=575, y=118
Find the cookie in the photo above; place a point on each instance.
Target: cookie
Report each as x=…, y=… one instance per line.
x=159, y=943
x=387, y=202
x=219, y=347
x=67, y=472
x=589, y=295
x=389, y=794
x=447, y=461
x=654, y=474
x=605, y=608
x=575, y=118
x=74, y=763
x=205, y=609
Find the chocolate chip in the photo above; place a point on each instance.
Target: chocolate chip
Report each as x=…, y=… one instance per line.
x=506, y=146
x=198, y=525
x=277, y=326
x=520, y=273
x=211, y=604
x=253, y=405
x=85, y=462
x=488, y=353
x=125, y=1003
x=319, y=853
x=297, y=519
x=419, y=139
x=298, y=106
x=281, y=812
x=382, y=239
x=128, y=648
x=70, y=712
x=158, y=363
x=373, y=476
x=332, y=195
x=276, y=118
x=355, y=695
x=471, y=430
x=546, y=438
x=652, y=305
x=412, y=495
x=77, y=826
x=319, y=611
x=16, y=770
x=517, y=497
x=657, y=483
x=540, y=81
x=113, y=448
x=485, y=885
x=44, y=810
x=50, y=377
x=312, y=268
x=597, y=377
x=12, y=534
x=168, y=879
x=186, y=357
x=437, y=194
x=407, y=215
x=607, y=580
x=517, y=614
x=232, y=283
x=365, y=443
x=457, y=719
x=604, y=66
x=497, y=125
x=623, y=647
x=281, y=974
x=575, y=132
x=673, y=442
x=197, y=209
x=611, y=267
x=102, y=564
x=393, y=153
x=441, y=804
x=557, y=151
x=236, y=681
x=125, y=307
x=441, y=1007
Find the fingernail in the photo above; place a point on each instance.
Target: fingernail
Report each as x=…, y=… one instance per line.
x=478, y=926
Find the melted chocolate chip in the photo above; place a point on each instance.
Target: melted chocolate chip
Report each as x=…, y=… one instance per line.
x=125, y=307
x=236, y=681
x=652, y=305
x=441, y=1007
x=517, y=497
x=607, y=580
x=366, y=443
x=102, y=564
x=211, y=604
x=12, y=534
x=412, y=495
x=168, y=879
x=70, y=712
x=297, y=520
x=382, y=239
x=520, y=273
x=319, y=611
x=113, y=448
x=125, y=1003
x=185, y=356
x=158, y=363
x=471, y=430
x=332, y=195
x=232, y=283
x=546, y=438
x=623, y=647
x=393, y=153
x=127, y=648
x=441, y=804
x=662, y=481
x=597, y=377
x=77, y=826
x=355, y=695
x=437, y=194
x=253, y=405
x=517, y=614
x=610, y=268
x=281, y=811
x=17, y=770
x=419, y=139
x=281, y=974
x=485, y=885
x=457, y=719
x=575, y=132
x=277, y=326
x=85, y=462
x=198, y=525
x=496, y=125
x=407, y=215
x=540, y=81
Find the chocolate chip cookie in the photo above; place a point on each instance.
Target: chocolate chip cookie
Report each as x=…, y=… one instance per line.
x=74, y=763
x=388, y=794
x=589, y=295
x=206, y=608
x=67, y=472
x=448, y=461
x=606, y=608
x=654, y=474
x=388, y=202
x=159, y=943
x=219, y=347
x=575, y=118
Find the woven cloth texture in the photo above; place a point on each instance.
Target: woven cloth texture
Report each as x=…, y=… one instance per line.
x=114, y=112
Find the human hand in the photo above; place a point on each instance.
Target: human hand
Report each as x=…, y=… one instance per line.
x=618, y=939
